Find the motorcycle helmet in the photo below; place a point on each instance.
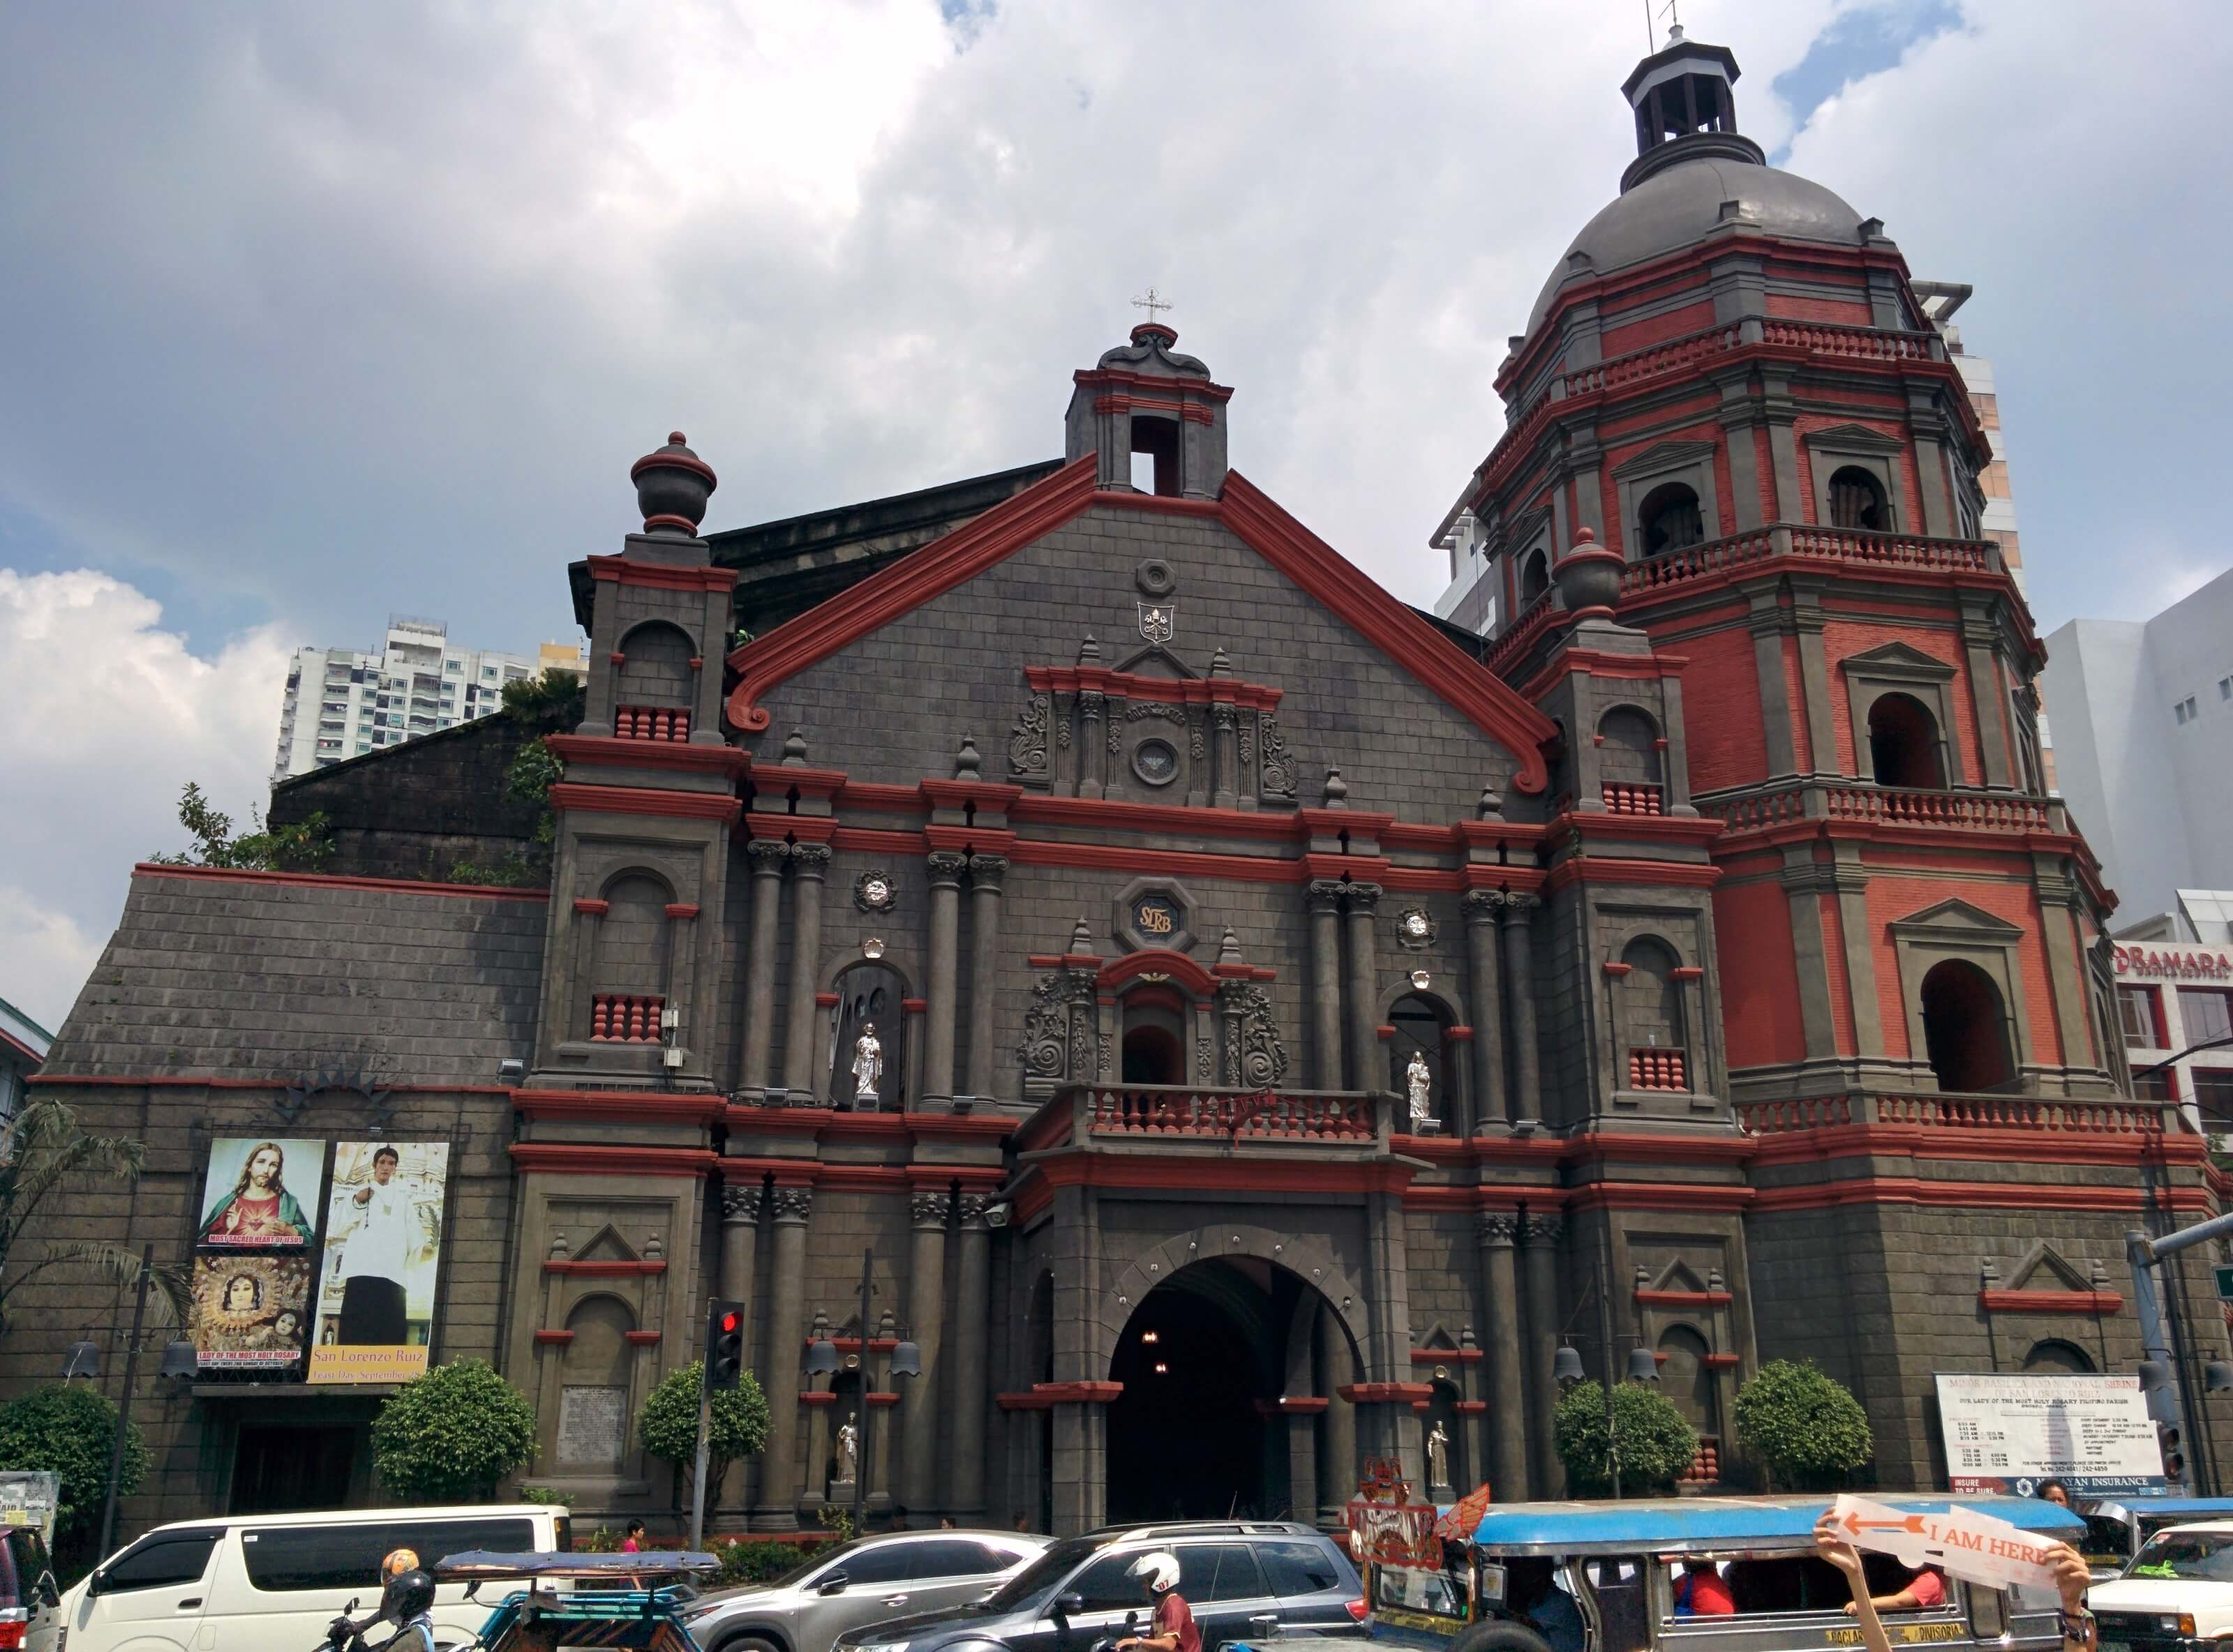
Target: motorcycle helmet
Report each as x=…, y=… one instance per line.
x=1161, y=1568
x=408, y=1595
x=398, y=1561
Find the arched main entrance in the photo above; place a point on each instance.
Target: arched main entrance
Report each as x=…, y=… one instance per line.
x=1193, y=1436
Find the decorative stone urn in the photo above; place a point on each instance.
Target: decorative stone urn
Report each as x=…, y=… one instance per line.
x=1588, y=576
x=671, y=486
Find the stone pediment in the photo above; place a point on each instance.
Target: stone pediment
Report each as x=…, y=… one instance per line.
x=1662, y=456
x=1897, y=660
x=2044, y=1268
x=1853, y=439
x=1957, y=918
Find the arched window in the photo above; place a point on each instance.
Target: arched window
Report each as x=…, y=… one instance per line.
x=1649, y=1001
x=1153, y=1047
x=1904, y=744
x=1686, y=1380
x=1628, y=763
x=1965, y=1028
x=868, y=995
x=1857, y=500
x=594, y=1365
x=653, y=685
x=1669, y=519
x=2064, y=1358
x=629, y=965
x=1535, y=577
x=1421, y=1026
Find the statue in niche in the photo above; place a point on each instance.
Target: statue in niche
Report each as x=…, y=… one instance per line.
x=867, y=1067
x=1438, y=1458
x=848, y=1453
x=1418, y=1082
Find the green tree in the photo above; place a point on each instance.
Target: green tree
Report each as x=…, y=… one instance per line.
x=1803, y=1426
x=451, y=1435
x=304, y=847
x=69, y=1429
x=667, y=1425
x=1656, y=1445
x=43, y=1151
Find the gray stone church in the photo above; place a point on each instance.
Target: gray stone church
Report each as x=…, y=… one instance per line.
x=1246, y=1017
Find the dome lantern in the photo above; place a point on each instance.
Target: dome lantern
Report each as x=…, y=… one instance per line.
x=1685, y=102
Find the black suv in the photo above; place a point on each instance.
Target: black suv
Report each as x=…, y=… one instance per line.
x=1245, y=1581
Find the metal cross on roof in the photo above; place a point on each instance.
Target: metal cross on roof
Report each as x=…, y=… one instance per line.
x=1151, y=304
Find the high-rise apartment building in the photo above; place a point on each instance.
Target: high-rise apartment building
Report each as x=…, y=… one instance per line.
x=342, y=703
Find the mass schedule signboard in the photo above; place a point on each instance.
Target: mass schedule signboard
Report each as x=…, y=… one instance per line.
x=2008, y=1433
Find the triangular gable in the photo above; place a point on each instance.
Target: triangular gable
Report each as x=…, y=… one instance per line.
x=1958, y=917
x=1897, y=660
x=607, y=1246
x=2044, y=1268
x=1678, y=1276
x=1334, y=582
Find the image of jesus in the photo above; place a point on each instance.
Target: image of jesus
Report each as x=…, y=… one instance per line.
x=260, y=1210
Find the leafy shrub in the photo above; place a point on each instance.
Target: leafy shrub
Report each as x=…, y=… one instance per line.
x=546, y=1494
x=1656, y=1445
x=667, y=1425
x=762, y=1560
x=1803, y=1425
x=304, y=847
x=69, y=1429
x=451, y=1435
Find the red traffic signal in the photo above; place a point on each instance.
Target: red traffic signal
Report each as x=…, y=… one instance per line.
x=725, y=1345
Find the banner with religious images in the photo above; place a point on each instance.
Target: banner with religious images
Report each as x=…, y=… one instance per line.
x=251, y=1310
x=375, y=1299
x=261, y=1193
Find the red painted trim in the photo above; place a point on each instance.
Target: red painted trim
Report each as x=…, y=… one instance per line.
x=1145, y=861
x=1457, y=1035
x=1023, y=1401
x=827, y=1000
x=682, y=909
x=1993, y=1145
x=1687, y=972
x=1445, y=1356
x=588, y=908
x=817, y=1396
x=807, y=829
x=1721, y=1362
x=643, y=1338
x=622, y=1106
x=862, y=1179
x=1078, y=1392
x=603, y=1159
x=8, y=1040
x=913, y=1006
x=868, y=840
x=1471, y=1407
x=648, y=754
x=880, y=1397
x=617, y=1270
x=762, y=663
x=1385, y=1393
x=1615, y=969
x=1683, y=1298
x=627, y=571
x=1384, y=1032
x=321, y=880
x=159, y=1080
x=2050, y=1302
x=1664, y=1195
x=852, y=1344
x=637, y=800
x=1293, y=1405
x=786, y=779
x=1466, y=686
x=1603, y=869
x=1107, y=814
x=1191, y=691
x=1997, y=1195
x=882, y=799
x=554, y=1338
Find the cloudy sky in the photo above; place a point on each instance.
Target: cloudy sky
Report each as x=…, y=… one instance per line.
x=313, y=313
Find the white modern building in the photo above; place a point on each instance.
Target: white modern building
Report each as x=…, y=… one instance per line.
x=2144, y=747
x=342, y=704
x=23, y=1047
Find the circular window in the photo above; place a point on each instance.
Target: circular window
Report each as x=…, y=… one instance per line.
x=1155, y=762
x=1154, y=578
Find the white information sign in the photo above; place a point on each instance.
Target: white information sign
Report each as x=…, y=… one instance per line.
x=2008, y=1433
x=1960, y=1541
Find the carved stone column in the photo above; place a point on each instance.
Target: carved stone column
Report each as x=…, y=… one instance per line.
x=1092, y=704
x=741, y=1237
x=1366, y=1059
x=778, y=1510
x=986, y=871
x=972, y=1336
x=1517, y=917
x=1484, y=1002
x=809, y=863
x=926, y=1319
x=1225, y=759
x=1540, y=1235
x=1337, y=1475
x=768, y=857
x=1497, y=1232
x=943, y=978
x=1325, y=898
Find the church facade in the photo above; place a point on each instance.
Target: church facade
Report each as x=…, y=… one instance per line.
x=1246, y=1023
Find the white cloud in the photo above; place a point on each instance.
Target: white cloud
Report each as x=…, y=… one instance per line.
x=108, y=717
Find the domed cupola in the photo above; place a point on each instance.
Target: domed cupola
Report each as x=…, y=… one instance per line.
x=1686, y=108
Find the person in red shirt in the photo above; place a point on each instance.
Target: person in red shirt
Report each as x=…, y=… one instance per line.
x=1702, y=1592
x=1920, y=1593
x=1173, y=1618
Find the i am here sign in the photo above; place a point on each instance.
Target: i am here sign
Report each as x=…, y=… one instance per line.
x=1960, y=1542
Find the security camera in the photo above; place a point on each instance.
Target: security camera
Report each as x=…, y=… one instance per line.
x=997, y=1215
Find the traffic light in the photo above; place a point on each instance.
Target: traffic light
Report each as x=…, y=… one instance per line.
x=725, y=1345
x=2174, y=1459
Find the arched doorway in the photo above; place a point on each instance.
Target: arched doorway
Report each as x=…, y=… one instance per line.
x=1202, y=1355
x=1904, y=744
x=1966, y=1030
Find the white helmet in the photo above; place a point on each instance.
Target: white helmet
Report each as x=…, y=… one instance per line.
x=1160, y=1567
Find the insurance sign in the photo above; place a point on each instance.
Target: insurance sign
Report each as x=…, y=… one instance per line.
x=2008, y=1433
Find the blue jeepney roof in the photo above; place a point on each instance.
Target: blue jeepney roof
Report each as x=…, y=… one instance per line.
x=1660, y=1524
x=2197, y=1507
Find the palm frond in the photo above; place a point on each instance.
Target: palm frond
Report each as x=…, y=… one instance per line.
x=116, y=1264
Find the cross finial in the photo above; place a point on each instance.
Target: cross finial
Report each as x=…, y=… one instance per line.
x=1151, y=304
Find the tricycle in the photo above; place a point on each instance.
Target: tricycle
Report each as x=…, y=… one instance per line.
x=618, y=1600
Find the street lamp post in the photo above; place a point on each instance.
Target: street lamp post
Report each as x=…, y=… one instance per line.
x=822, y=1360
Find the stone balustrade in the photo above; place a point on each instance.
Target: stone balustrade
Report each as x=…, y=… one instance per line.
x=1991, y=812
x=1179, y=1112
x=1935, y=1111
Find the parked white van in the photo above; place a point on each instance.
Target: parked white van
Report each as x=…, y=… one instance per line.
x=273, y=1582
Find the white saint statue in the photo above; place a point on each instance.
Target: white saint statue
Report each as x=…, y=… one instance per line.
x=868, y=1066
x=848, y=1453
x=1417, y=1081
x=1438, y=1458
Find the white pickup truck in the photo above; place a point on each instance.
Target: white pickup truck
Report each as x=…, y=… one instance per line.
x=2177, y=1595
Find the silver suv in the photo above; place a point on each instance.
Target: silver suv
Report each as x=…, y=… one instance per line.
x=898, y=1574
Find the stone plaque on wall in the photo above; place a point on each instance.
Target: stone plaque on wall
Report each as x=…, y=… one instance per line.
x=592, y=1427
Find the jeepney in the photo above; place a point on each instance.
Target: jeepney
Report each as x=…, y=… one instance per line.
x=1486, y=1585
x=614, y=1600
x=2116, y=1527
